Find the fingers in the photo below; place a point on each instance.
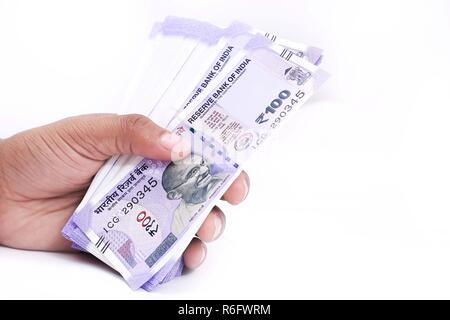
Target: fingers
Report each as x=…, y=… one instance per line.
x=102, y=136
x=211, y=229
x=195, y=254
x=213, y=226
x=238, y=190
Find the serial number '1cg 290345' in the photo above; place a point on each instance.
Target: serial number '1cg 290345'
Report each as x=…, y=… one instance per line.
x=276, y=104
x=142, y=218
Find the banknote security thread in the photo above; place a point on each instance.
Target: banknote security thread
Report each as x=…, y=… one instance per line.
x=142, y=213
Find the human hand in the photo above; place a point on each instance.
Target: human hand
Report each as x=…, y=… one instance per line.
x=45, y=172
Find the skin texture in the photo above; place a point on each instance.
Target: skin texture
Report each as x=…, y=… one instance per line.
x=44, y=173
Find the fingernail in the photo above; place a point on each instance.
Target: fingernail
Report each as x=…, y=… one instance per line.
x=204, y=250
x=246, y=185
x=168, y=140
x=219, y=225
x=181, y=150
x=178, y=147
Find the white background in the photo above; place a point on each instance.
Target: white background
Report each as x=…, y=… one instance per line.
x=349, y=200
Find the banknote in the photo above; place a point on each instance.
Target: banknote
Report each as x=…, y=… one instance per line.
x=198, y=59
x=225, y=91
x=175, y=99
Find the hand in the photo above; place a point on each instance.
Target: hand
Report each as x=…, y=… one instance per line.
x=44, y=173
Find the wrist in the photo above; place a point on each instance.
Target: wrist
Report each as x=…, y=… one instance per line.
x=4, y=202
x=2, y=174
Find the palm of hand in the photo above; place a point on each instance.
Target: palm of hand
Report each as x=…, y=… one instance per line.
x=44, y=184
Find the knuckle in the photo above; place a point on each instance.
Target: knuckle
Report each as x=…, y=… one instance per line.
x=131, y=121
x=133, y=124
x=135, y=128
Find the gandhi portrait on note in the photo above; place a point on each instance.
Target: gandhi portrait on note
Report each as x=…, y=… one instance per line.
x=192, y=181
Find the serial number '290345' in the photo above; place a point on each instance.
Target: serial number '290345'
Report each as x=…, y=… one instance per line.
x=143, y=218
x=276, y=105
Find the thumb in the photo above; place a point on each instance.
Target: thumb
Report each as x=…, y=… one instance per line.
x=101, y=136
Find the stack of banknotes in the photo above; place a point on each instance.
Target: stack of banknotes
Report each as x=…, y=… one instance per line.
x=223, y=89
